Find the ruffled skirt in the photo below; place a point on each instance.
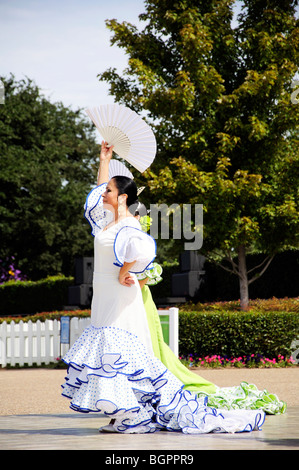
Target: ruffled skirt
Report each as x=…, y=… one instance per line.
x=111, y=372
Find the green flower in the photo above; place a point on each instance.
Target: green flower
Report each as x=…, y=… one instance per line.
x=145, y=222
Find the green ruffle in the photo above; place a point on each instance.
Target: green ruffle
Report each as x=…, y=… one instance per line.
x=245, y=396
x=153, y=275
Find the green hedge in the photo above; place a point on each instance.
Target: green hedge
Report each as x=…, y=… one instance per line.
x=239, y=333
x=29, y=297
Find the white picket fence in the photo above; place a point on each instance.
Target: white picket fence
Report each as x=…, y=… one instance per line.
x=39, y=342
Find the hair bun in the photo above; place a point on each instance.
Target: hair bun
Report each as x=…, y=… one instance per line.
x=127, y=186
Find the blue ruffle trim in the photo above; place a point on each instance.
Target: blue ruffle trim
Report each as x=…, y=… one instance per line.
x=137, y=390
x=144, y=257
x=94, y=212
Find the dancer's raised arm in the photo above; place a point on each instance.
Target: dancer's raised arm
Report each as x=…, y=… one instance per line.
x=105, y=157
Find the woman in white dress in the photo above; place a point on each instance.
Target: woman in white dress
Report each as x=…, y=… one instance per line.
x=112, y=368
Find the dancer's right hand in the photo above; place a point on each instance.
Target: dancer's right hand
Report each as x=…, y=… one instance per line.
x=106, y=152
x=105, y=157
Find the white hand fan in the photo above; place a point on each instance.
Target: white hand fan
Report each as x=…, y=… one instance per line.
x=131, y=136
x=117, y=168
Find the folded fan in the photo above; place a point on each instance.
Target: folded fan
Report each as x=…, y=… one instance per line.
x=131, y=136
x=117, y=168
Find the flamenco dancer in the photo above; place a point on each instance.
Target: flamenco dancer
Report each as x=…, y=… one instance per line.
x=112, y=368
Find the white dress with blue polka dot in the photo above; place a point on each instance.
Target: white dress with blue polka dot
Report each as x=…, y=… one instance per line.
x=112, y=368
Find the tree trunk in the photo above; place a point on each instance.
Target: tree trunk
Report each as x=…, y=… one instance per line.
x=243, y=279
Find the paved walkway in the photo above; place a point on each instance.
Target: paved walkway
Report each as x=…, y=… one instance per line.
x=33, y=416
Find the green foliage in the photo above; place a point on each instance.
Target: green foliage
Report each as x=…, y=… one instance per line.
x=29, y=297
x=218, y=96
x=47, y=152
x=237, y=333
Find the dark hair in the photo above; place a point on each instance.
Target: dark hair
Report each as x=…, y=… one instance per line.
x=126, y=186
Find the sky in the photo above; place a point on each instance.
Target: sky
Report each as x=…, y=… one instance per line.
x=62, y=45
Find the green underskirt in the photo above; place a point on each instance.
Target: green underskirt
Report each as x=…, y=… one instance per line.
x=243, y=396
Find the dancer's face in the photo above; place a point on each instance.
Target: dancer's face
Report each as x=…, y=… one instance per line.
x=110, y=196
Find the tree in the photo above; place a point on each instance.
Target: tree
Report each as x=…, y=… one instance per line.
x=46, y=157
x=218, y=96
